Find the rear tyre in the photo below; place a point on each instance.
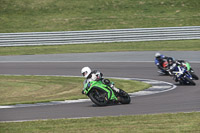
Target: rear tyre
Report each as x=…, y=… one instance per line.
x=124, y=97
x=98, y=96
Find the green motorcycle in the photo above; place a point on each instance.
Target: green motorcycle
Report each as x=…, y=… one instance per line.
x=189, y=68
x=102, y=94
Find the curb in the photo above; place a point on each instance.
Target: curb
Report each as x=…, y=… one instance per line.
x=157, y=87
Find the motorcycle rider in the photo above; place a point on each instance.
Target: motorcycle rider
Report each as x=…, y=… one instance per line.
x=159, y=60
x=95, y=76
x=172, y=67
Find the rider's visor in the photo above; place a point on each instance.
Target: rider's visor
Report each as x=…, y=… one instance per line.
x=84, y=73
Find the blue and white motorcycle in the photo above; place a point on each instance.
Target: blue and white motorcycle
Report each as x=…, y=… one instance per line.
x=182, y=75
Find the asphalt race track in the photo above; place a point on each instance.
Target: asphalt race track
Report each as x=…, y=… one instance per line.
x=181, y=99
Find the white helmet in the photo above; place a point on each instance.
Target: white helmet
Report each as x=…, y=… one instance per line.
x=86, y=71
x=157, y=55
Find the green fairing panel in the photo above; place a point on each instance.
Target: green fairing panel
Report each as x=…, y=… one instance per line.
x=188, y=66
x=99, y=84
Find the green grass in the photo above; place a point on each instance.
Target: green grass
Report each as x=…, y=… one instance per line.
x=68, y=15
x=162, y=123
x=32, y=89
x=181, y=45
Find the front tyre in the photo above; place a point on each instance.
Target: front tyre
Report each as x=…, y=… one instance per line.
x=191, y=82
x=98, y=97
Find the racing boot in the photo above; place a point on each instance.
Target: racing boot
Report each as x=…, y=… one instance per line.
x=114, y=88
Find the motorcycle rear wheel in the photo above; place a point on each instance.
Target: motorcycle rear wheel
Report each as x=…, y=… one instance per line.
x=124, y=97
x=194, y=76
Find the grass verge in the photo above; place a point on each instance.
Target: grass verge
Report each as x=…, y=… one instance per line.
x=165, y=123
x=181, y=45
x=68, y=15
x=32, y=89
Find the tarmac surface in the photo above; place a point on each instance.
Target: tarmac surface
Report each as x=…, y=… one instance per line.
x=113, y=64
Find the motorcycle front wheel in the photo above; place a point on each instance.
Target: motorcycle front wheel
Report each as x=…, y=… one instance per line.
x=98, y=97
x=191, y=82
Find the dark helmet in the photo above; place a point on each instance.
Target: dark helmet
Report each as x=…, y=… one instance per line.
x=170, y=61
